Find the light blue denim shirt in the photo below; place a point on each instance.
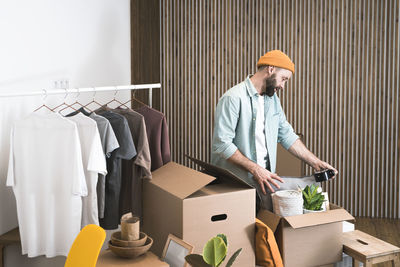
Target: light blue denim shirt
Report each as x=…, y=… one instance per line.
x=235, y=124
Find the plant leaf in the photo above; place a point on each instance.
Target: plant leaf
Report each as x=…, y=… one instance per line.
x=233, y=257
x=224, y=238
x=314, y=191
x=196, y=260
x=307, y=190
x=221, y=261
x=214, y=251
x=312, y=199
x=312, y=188
x=226, y=243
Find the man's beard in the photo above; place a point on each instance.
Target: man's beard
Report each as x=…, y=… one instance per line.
x=270, y=85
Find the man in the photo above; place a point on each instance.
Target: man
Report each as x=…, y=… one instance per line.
x=249, y=121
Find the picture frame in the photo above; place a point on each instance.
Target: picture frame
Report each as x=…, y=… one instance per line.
x=175, y=251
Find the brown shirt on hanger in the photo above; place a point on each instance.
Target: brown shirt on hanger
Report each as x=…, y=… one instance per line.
x=139, y=167
x=157, y=134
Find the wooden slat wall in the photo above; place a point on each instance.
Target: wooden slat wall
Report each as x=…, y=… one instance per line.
x=344, y=96
x=145, y=48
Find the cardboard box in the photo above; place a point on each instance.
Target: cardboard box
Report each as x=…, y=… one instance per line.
x=287, y=164
x=311, y=239
x=195, y=207
x=108, y=259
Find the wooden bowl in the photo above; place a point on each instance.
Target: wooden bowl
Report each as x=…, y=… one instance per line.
x=116, y=240
x=131, y=252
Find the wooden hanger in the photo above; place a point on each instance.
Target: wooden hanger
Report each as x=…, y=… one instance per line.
x=68, y=106
x=44, y=105
x=76, y=101
x=93, y=101
x=124, y=105
x=135, y=99
x=62, y=104
x=117, y=101
x=71, y=105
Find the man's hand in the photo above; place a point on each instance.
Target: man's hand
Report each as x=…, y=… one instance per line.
x=300, y=151
x=261, y=175
x=322, y=165
x=265, y=178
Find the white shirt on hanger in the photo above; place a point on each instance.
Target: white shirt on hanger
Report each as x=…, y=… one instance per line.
x=94, y=163
x=47, y=176
x=261, y=147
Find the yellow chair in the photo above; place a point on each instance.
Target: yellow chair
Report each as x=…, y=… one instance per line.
x=86, y=247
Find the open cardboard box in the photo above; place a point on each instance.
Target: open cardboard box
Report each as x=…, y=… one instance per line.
x=196, y=206
x=311, y=239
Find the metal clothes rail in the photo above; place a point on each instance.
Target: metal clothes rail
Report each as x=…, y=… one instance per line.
x=45, y=92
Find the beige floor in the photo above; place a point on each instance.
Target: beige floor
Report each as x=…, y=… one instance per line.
x=385, y=229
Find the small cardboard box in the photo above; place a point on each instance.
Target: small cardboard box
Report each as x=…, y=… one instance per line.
x=195, y=207
x=311, y=239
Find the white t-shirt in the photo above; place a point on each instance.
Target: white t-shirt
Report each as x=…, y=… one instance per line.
x=94, y=162
x=261, y=148
x=46, y=173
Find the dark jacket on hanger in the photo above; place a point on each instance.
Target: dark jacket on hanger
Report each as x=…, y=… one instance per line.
x=126, y=151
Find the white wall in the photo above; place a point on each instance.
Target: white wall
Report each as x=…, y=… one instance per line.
x=86, y=42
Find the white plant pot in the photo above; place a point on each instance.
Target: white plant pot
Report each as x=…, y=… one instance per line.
x=287, y=202
x=305, y=211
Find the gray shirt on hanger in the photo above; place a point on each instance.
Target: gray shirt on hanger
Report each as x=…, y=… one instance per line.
x=109, y=143
x=126, y=151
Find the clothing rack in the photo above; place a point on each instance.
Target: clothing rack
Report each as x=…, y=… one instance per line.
x=45, y=92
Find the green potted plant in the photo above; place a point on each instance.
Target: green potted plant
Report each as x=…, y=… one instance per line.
x=313, y=199
x=214, y=253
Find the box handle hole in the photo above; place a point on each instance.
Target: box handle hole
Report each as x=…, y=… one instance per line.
x=362, y=242
x=219, y=217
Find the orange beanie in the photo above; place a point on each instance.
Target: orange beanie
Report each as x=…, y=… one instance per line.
x=276, y=58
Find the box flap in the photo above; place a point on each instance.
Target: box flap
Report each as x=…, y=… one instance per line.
x=269, y=218
x=218, y=172
x=318, y=218
x=179, y=180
